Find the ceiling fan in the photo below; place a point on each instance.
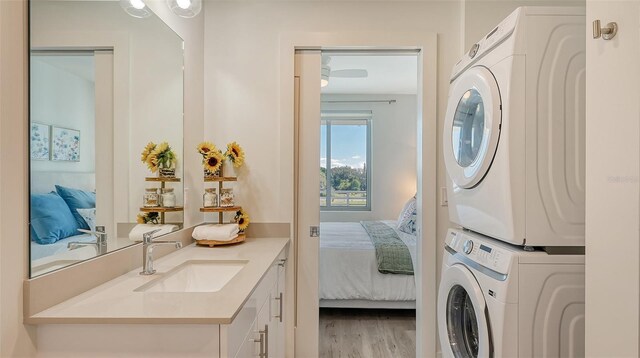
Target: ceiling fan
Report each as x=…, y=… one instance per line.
x=326, y=72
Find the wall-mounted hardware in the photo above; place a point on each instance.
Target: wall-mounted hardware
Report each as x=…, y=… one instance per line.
x=607, y=32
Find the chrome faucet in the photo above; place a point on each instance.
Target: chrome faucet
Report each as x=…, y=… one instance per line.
x=147, y=251
x=100, y=244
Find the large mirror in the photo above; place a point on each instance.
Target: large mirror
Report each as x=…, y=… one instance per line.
x=106, y=123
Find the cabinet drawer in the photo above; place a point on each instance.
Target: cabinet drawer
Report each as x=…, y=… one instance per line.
x=233, y=335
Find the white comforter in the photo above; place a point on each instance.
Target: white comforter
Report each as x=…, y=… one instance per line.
x=348, y=268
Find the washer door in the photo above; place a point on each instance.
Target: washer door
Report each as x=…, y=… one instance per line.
x=472, y=126
x=462, y=322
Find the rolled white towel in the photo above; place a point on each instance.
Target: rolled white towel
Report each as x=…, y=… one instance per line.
x=136, y=233
x=217, y=232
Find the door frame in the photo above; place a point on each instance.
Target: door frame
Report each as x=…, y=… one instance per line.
x=117, y=42
x=426, y=288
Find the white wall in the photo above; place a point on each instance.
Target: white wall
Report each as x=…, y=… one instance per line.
x=64, y=99
x=393, y=154
x=192, y=32
x=612, y=182
x=16, y=339
x=242, y=80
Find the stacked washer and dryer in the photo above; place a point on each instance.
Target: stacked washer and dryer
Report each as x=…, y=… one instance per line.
x=514, y=147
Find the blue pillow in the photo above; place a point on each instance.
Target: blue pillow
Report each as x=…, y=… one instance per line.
x=51, y=219
x=77, y=199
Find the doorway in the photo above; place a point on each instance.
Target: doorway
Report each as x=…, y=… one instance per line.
x=353, y=197
x=368, y=176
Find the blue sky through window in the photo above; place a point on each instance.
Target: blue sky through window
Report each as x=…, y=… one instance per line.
x=348, y=145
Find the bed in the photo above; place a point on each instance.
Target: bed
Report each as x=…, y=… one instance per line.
x=45, y=182
x=349, y=275
x=59, y=247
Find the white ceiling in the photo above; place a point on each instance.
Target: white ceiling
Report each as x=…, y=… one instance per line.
x=80, y=65
x=388, y=74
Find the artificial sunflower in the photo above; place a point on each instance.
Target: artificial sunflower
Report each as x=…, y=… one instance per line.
x=242, y=219
x=152, y=162
x=164, y=155
x=235, y=153
x=146, y=151
x=205, y=148
x=157, y=156
x=213, y=161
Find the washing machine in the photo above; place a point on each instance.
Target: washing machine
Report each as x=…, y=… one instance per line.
x=514, y=133
x=497, y=300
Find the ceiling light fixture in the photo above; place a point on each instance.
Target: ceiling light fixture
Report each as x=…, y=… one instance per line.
x=325, y=71
x=185, y=8
x=135, y=8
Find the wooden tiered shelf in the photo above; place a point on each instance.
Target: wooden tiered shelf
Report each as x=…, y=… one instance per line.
x=160, y=209
x=163, y=179
x=220, y=210
x=212, y=243
x=219, y=179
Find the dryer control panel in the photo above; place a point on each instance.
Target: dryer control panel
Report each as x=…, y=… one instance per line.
x=483, y=251
x=487, y=43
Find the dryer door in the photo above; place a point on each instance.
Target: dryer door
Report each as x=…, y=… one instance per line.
x=472, y=126
x=462, y=322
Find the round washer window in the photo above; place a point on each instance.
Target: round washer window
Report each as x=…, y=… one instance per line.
x=462, y=325
x=468, y=128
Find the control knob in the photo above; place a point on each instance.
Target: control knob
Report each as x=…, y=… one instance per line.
x=467, y=247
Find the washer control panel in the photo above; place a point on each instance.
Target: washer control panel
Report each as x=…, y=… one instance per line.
x=467, y=247
x=481, y=250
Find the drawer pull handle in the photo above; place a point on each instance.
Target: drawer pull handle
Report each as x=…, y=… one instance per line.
x=279, y=315
x=264, y=346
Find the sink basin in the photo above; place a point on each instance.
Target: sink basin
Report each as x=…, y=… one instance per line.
x=196, y=276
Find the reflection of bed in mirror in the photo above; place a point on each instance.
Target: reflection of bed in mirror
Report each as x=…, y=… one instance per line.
x=102, y=84
x=52, y=255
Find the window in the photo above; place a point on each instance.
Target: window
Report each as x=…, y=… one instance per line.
x=345, y=174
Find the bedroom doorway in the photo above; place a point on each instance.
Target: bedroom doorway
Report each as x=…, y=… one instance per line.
x=368, y=175
x=364, y=126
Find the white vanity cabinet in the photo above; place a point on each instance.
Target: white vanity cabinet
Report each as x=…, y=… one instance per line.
x=258, y=330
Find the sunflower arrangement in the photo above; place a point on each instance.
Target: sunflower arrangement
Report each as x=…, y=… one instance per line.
x=158, y=156
x=235, y=153
x=242, y=219
x=148, y=218
x=212, y=157
x=205, y=148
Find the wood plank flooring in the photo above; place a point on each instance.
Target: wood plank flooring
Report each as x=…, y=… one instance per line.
x=367, y=333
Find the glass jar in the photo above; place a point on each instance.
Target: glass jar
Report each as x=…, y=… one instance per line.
x=168, y=198
x=210, y=198
x=151, y=198
x=226, y=198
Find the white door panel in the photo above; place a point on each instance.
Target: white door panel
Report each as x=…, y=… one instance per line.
x=104, y=144
x=307, y=158
x=612, y=172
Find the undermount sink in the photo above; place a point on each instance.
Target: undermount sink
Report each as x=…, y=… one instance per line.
x=196, y=276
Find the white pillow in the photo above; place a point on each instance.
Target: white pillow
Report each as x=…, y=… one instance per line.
x=89, y=216
x=410, y=209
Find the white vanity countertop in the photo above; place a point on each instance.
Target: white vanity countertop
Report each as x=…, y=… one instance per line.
x=117, y=302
